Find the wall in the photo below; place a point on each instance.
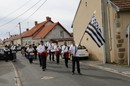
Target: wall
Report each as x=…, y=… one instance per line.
x=118, y=23
x=55, y=33
x=82, y=18
x=27, y=40
x=17, y=41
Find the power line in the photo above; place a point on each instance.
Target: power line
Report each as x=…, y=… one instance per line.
x=15, y=10
x=35, y=11
x=20, y=14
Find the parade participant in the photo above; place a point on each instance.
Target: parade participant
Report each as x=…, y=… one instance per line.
x=35, y=51
x=30, y=51
x=39, y=55
x=65, y=51
x=25, y=51
x=51, y=51
x=42, y=55
x=73, y=50
x=57, y=52
x=14, y=50
x=10, y=53
x=6, y=53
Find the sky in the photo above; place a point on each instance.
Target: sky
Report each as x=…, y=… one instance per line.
x=14, y=11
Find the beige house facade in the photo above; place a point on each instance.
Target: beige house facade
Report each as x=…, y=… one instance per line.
x=118, y=19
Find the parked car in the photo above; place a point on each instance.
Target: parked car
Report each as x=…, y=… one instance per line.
x=2, y=56
x=82, y=54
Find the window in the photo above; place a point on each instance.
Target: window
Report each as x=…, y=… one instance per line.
x=62, y=34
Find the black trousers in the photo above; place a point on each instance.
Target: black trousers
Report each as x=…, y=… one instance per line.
x=14, y=56
x=51, y=56
x=30, y=59
x=6, y=56
x=75, y=60
x=43, y=61
x=57, y=58
x=39, y=57
x=66, y=60
x=35, y=55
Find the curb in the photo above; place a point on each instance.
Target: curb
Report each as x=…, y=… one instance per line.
x=126, y=73
x=17, y=76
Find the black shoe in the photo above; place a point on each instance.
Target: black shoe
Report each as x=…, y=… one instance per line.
x=80, y=73
x=66, y=66
x=43, y=69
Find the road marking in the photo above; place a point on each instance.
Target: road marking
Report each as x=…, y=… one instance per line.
x=47, y=77
x=17, y=78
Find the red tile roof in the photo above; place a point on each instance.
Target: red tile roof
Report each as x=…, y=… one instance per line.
x=36, y=28
x=44, y=32
x=124, y=5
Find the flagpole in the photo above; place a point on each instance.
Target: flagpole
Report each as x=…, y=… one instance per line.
x=84, y=34
x=81, y=38
x=84, y=31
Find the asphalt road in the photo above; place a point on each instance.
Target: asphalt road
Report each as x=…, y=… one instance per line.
x=59, y=75
x=6, y=74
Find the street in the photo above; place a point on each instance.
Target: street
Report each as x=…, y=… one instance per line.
x=59, y=75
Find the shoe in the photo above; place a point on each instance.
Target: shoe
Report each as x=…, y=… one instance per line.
x=80, y=73
x=66, y=66
x=43, y=69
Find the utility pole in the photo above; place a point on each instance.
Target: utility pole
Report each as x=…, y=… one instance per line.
x=128, y=32
x=20, y=33
x=105, y=31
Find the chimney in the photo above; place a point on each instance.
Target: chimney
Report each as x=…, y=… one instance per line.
x=36, y=23
x=27, y=29
x=48, y=18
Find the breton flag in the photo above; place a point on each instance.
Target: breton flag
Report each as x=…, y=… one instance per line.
x=95, y=32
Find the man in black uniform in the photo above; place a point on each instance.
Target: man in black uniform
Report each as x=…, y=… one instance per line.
x=73, y=50
x=41, y=51
x=6, y=53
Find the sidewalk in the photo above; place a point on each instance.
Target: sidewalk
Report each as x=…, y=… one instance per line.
x=7, y=74
x=118, y=69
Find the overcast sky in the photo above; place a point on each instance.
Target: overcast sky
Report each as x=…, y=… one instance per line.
x=14, y=11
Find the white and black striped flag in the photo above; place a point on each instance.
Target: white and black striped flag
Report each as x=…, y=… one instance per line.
x=94, y=31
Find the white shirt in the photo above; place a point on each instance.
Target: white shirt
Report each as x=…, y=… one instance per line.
x=50, y=46
x=6, y=49
x=41, y=48
x=30, y=49
x=73, y=50
x=65, y=49
x=13, y=48
x=56, y=48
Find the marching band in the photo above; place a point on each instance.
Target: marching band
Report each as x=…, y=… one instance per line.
x=52, y=50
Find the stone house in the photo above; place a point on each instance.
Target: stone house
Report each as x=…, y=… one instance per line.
x=53, y=32
x=118, y=20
